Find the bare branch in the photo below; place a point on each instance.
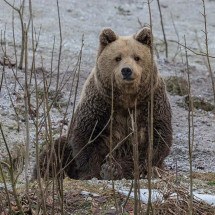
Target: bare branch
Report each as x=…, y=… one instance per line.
x=162, y=25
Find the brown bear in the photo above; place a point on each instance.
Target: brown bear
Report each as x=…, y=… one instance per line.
x=114, y=106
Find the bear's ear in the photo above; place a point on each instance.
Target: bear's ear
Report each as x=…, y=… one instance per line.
x=107, y=36
x=144, y=36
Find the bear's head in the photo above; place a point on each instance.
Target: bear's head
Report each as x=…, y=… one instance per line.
x=125, y=62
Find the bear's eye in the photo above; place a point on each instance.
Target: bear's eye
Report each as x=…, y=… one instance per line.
x=136, y=58
x=118, y=59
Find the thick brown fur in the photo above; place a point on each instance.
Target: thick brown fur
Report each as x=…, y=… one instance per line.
x=55, y=161
x=89, y=131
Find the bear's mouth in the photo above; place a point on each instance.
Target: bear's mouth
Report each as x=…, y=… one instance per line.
x=128, y=79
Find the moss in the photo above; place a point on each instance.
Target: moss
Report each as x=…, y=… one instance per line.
x=52, y=94
x=199, y=103
x=211, y=183
x=176, y=85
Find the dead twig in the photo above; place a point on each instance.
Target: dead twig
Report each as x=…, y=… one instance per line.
x=60, y=46
x=11, y=172
x=178, y=39
x=207, y=48
x=190, y=138
x=20, y=11
x=151, y=120
x=162, y=25
x=194, y=52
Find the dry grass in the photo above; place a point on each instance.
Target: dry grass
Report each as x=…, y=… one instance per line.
x=96, y=197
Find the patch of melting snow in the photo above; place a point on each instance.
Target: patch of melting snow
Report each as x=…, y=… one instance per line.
x=85, y=193
x=158, y=196
x=210, y=199
x=144, y=194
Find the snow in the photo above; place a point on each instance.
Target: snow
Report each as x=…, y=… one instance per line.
x=158, y=196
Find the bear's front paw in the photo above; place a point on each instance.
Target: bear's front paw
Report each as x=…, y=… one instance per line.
x=111, y=171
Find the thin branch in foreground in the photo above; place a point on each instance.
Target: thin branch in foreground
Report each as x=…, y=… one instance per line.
x=111, y=142
x=60, y=47
x=162, y=25
x=194, y=52
x=135, y=145
x=27, y=108
x=3, y=47
x=6, y=189
x=151, y=120
x=11, y=172
x=177, y=34
x=207, y=48
x=190, y=124
x=20, y=12
x=15, y=50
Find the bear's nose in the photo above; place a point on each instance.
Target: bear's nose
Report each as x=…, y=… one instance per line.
x=126, y=73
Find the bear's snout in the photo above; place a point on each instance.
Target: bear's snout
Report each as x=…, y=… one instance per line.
x=126, y=73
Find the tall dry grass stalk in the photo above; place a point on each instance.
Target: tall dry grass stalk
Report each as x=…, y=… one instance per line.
x=111, y=144
x=190, y=130
x=27, y=110
x=135, y=143
x=150, y=121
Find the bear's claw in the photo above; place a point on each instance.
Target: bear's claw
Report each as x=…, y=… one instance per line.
x=111, y=171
